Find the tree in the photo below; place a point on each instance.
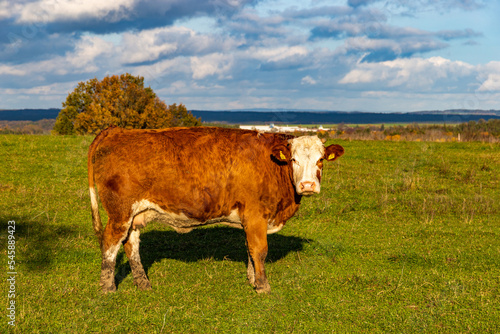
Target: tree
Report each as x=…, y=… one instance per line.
x=118, y=100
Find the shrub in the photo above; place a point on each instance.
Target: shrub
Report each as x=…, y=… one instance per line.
x=118, y=100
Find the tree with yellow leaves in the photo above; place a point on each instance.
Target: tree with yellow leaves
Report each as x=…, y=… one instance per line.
x=118, y=100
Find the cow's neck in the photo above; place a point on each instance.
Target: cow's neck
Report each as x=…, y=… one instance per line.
x=290, y=185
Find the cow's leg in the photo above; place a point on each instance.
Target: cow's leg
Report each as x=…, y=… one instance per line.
x=250, y=271
x=131, y=246
x=256, y=235
x=112, y=238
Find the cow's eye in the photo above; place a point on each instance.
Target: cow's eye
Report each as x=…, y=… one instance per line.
x=295, y=161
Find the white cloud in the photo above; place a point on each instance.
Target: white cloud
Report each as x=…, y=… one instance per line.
x=52, y=89
x=6, y=9
x=276, y=54
x=15, y=70
x=67, y=10
x=144, y=46
x=411, y=73
x=492, y=73
x=364, y=43
x=491, y=84
x=308, y=80
x=171, y=41
x=159, y=74
x=88, y=52
x=216, y=63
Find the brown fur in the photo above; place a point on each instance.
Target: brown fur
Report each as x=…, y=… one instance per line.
x=202, y=173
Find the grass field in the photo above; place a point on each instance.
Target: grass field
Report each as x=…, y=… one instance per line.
x=404, y=238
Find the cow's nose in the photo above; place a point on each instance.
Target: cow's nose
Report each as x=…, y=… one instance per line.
x=307, y=186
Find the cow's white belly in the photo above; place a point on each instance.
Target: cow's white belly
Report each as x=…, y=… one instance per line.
x=271, y=228
x=145, y=211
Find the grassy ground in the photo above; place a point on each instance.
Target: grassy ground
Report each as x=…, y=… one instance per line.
x=403, y=238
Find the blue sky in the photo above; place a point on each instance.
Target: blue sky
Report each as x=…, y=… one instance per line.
x=365, y=55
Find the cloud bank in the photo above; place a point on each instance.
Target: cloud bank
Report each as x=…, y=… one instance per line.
x=221, y=54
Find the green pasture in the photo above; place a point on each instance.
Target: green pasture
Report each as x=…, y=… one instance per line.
x=404, y=238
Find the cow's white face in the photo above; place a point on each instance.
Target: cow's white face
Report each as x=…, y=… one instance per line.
x=306, y=155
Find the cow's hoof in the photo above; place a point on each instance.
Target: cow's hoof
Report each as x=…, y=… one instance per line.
x=265, y=288
x=143, y=285
x=108, y=288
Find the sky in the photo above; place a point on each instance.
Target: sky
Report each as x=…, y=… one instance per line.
x=345, y=55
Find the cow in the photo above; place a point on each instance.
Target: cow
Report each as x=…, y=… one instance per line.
x=190, y=177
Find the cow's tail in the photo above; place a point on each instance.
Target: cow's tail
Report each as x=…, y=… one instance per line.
x=94, y=197
x=96, y=218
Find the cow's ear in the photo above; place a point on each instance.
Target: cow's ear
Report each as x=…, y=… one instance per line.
x=282, y=152
x=333, y=151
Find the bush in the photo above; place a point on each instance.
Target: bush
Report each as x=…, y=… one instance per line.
x=118, y=100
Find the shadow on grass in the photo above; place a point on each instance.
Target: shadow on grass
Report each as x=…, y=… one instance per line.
x=36, y=240
x=219, y=243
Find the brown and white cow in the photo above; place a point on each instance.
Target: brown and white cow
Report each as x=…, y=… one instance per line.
x=189, y=177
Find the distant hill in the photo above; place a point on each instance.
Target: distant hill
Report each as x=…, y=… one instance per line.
x=28, y=114
x=281, y=116
x=461, y=112
x=336, y=117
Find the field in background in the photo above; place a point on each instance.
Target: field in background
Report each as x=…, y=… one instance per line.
x=484, y=131
x=43, y=126
x=404, y=237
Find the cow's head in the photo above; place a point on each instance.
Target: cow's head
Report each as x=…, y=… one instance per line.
x=306, y=155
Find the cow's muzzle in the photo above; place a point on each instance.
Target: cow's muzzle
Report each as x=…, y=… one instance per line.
x=307, y=188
